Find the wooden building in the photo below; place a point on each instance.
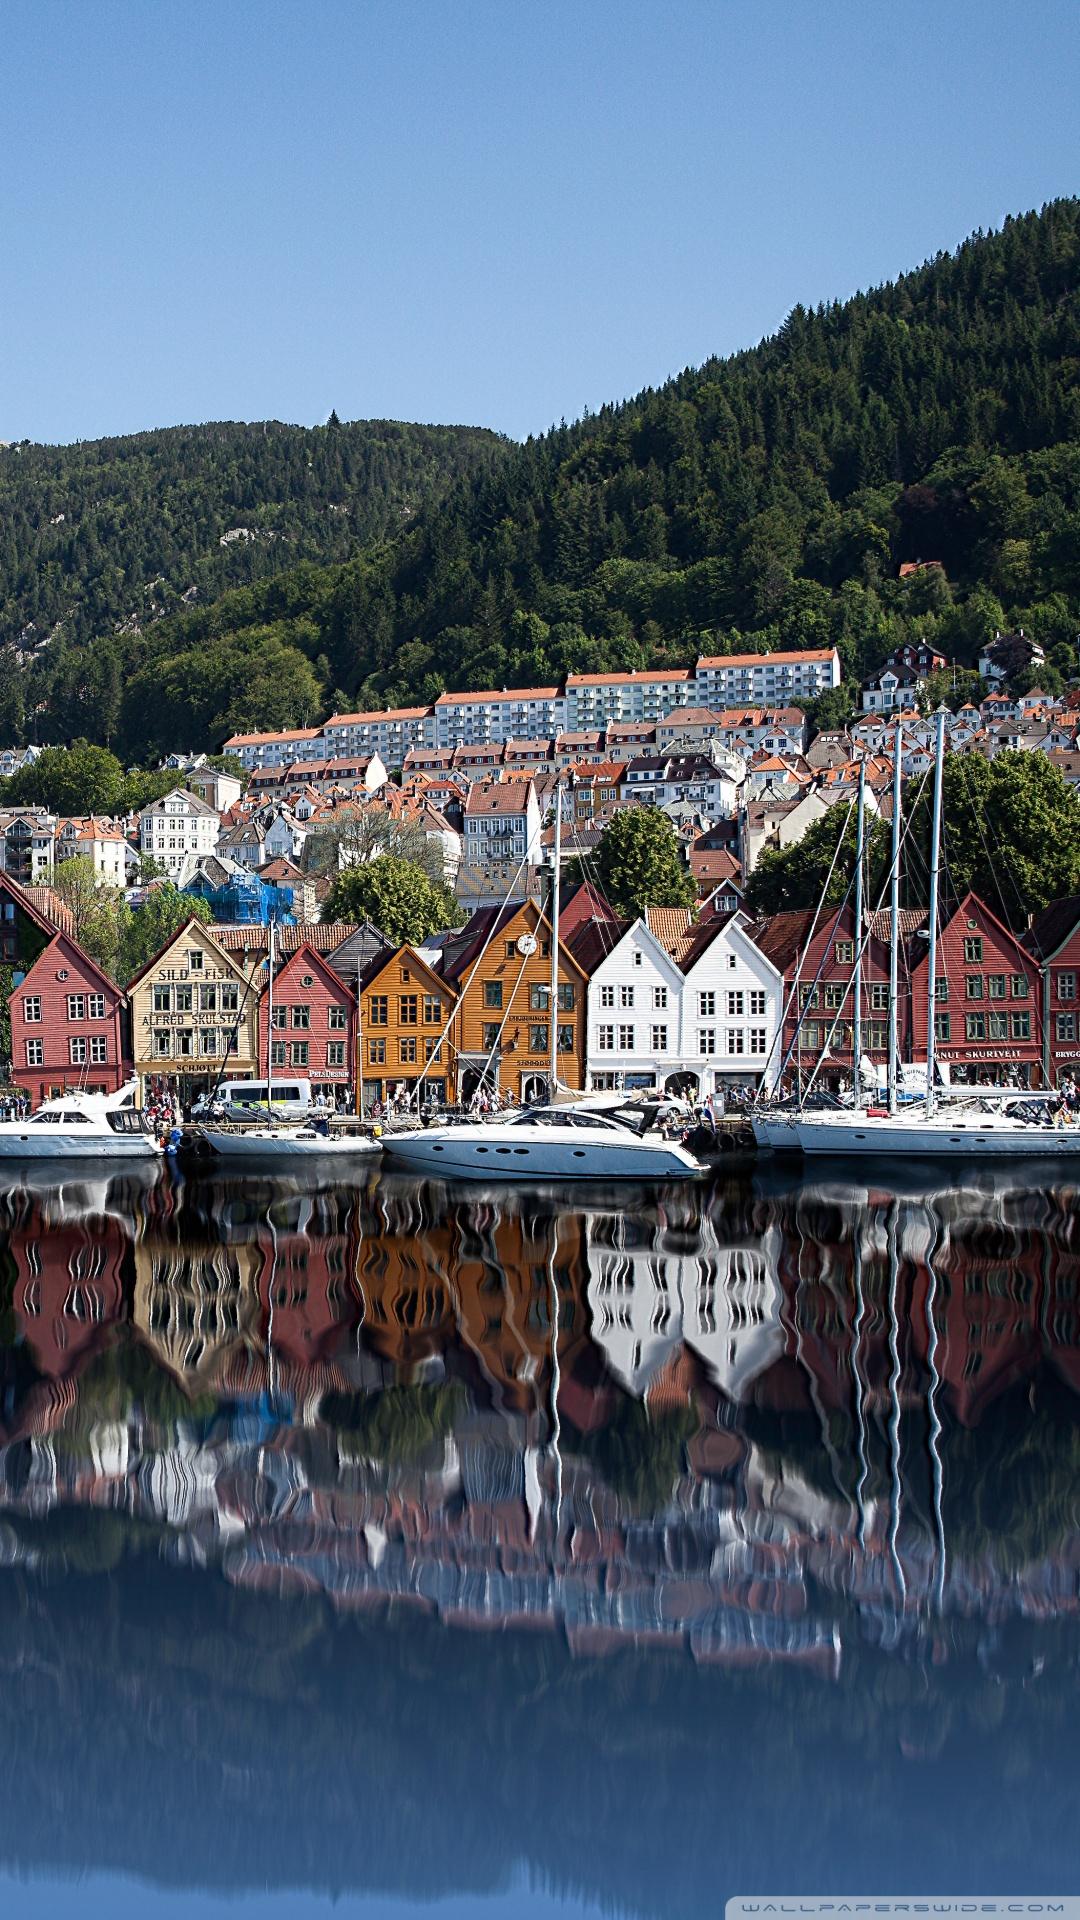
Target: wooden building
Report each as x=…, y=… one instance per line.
x=988, y=1003
x=194, y=1013
x=404, y=1008
x=499, y=967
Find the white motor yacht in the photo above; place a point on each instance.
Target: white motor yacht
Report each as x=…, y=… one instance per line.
x=80, y=1126
x=546, y=1143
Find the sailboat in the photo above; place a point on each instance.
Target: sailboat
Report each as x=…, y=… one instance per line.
x=284, y=1143
x=553, y=1142
x=966, y=1129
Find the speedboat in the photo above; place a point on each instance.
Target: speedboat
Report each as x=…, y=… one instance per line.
x=546, y=1143
x=81, y=1126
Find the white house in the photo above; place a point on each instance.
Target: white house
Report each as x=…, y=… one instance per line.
x=680, y=1007
x=177, y=830
x=502, y=824
x=103, y=843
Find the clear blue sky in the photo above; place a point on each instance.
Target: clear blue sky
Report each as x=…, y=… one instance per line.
x=496, y=212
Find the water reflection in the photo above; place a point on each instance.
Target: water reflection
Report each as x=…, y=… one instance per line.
x=767, y=1437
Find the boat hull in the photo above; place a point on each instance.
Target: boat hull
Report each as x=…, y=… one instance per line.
x=16, y=1148
x=517, y=1160
x=255, y=1149
x=929, y=1140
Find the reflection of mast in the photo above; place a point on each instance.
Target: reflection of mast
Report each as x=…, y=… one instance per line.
x=936, y=1467
x=895, y=1487
x=860, y=1385
x=556, y=1431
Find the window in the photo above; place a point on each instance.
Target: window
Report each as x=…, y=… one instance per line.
x=300, y=1018
x=335, y=1053
x=706, y=1005
x=35, y=1053
x=973, y=986
x=808, y=997
x=1066, y=986
x=1020, y=1025
x=835, y=993
x=491, y=1031
x=493, y=993
x=706, y=1040
x=735, y=1040
x=995, y=986
x=432, y=1049
x=567, y=997
x=757, y=1040
x=997, y=1026
x=659, y=1039
x=731, y=960
x=879, y=997
x=277, y=1053
x=378, y=1010
x=757, y=1001
x=185, y=1044
x=811, y=1035
x=565, y=1039
x=195, y=960
x=99, y=1049
x=280, y=1016
x=626, y=996
x=975, y=1026
x=605, y=1039
x=539, y=998
x=376, y=1052
x=208, y=999
x=184, y=999
x=76, y=1006
x=298, y=1053
x=973, y=951
x=1018, y=986
x=659, y=998
x=95, y=1006
x=31, y=1007
x=942, y=1026
x=735, y=1004
x=1066, y=1026
x=941, y=987
x=230, y=999
x=409, y=1009
x=607, y=996
x=208, y=1042
x=336, y=1019
x=638, y=957
x=162, y=999
x=162, y=1044
x=845, y=952
x=538, y=1039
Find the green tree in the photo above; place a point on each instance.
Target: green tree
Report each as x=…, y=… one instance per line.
x=639, y=863
x=795, y=876
x=162, y=913
x=100, y=914
x=1010, y=832
x=79, y=779
x=396, y=895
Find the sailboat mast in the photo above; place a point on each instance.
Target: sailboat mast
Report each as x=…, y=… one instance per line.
x=553, y=1010
x=270, y=1025
x=856, y=992
x=935, y=873
x=894, y=923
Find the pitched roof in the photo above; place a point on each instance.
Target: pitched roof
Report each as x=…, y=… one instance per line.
x=322, y=938
x=797, y=658
x=1052, y=927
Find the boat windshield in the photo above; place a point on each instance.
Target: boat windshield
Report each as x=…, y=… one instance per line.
x=559, y=1117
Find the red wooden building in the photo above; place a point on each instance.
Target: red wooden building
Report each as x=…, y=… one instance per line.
x=989, y=1004
x=314, y=1023
x=818, y=966
x=67, y=1028
x=1053, y=942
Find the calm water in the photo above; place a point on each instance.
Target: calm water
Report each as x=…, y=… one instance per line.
x=387, y=1544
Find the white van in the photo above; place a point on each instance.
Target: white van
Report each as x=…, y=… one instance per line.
x=250, y=1096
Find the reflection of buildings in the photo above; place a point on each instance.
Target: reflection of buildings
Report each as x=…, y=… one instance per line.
x=649, y=1294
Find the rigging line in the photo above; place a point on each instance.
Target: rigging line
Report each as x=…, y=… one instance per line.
x=502, y=1023
x=795, y=985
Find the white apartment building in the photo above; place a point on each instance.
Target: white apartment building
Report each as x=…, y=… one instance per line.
x=389, y=734
x=28, y=845
x=101, y=842
x=691, y=779
x=517, y=713
x=177, y=830
x=276, y=749
x=683, y=1008
x=599, y=699
x=765, y=679
x=502, y=824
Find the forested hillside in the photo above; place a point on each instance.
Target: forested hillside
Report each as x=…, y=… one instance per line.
x=766, y=499
x=108, y=536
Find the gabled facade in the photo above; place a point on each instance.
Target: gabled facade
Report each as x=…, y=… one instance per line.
x=194, y=1012
x=404, y=1008
x=177, y=831
x=1053, y=942
x=67, y=1027
x=311, y=1026
x=501, y=1030
x=988, y=1001
x=635, y=1014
